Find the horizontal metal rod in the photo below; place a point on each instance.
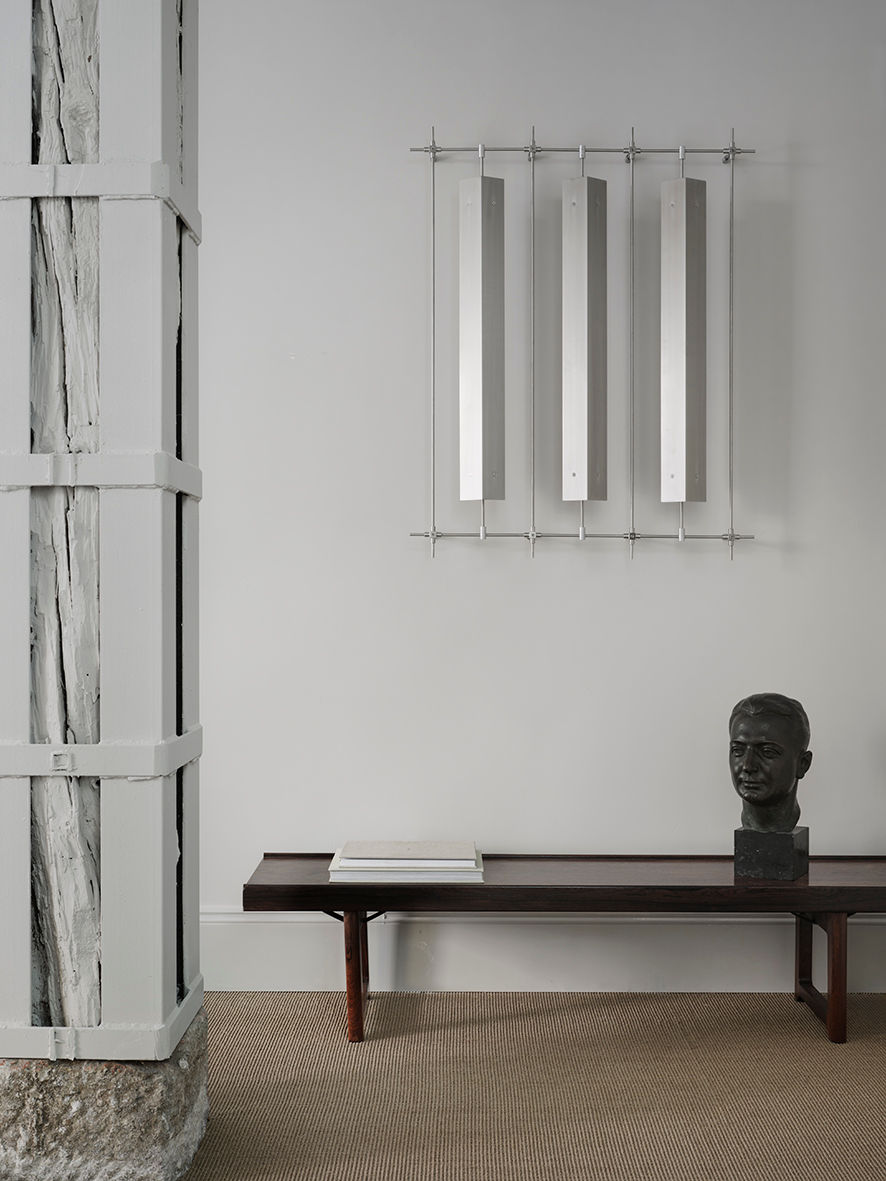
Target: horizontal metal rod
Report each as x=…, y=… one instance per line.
x=474, y=149
x=525, y=536
x=538, y=149
x=728, y=149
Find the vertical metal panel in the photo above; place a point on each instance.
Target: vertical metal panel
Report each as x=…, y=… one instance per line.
x=148, y=113
x=138, y=901
x=15, y=793
x=481, y=339
x=190, y=614
x=189, y=98
x=139, y=290
x=15, y=82
x=148, y=104
x=191, y=873
x=15, y=326
x=171, y=93
x=190, y=838
x=15, y=903
x=190, y=688
x=190, y=350
x=15, y=543
x=15, y=618
x=584, y=339
x=131, y=80
x=170, y=278
x=15, y=437
x=139, y=844
x=683, y=340
x=137, y=622
x=139, y=293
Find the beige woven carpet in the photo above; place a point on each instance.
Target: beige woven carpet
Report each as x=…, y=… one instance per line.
x=543, y=1086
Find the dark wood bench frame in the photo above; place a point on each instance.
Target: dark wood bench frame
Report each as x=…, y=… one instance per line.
x=835, y=888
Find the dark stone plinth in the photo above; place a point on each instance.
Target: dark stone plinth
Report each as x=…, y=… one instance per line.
x=104, y=1121
x=778, y=856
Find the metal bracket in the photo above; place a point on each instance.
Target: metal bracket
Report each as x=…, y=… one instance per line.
x=432, y=149
x=62, y=1043
x=532, y=149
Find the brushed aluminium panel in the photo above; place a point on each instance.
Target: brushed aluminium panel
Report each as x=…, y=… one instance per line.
x=481, y=338
x=15, y=530
x=129, y=114
x=584, y=373
x=683, y=340
x=16, y=49
x=137, y=622
x=139, y=853
x=15, y=910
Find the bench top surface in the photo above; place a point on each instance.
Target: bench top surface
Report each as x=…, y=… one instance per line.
x=525, y=882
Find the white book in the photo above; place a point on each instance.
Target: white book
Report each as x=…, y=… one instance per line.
x=405, y=875
x=473, y=872
x=408, y=854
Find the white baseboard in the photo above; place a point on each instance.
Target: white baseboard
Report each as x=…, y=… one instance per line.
x=488, y=952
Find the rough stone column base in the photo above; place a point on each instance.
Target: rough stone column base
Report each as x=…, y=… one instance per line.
x=104, y=1121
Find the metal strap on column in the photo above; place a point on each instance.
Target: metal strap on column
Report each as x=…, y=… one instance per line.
x=156, y=469
x=118, y=760
x=111, y=182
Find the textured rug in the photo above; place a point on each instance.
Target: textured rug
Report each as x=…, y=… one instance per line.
x=543, y=1086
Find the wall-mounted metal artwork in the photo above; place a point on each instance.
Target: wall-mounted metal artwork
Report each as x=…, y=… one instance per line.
x=586, y=401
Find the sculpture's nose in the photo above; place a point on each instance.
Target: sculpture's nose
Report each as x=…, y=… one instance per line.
x=748, y=758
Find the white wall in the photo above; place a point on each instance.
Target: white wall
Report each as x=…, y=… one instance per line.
x=578, y=702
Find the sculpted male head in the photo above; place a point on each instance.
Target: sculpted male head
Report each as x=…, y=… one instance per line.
x=768, y=754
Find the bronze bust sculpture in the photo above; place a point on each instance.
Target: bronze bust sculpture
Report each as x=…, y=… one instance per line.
x=768, y=755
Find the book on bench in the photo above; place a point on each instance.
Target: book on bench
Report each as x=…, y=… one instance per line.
x=407, y=861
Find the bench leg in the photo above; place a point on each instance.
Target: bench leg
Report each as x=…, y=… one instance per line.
x=803, y=958
x=830, y=1009
x=836, y=1020
x=364, y=959
x=356, y=970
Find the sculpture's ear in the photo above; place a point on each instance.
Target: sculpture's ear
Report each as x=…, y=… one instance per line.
x=803, y=763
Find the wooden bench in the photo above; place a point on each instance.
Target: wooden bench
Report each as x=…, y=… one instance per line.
x=835, y=888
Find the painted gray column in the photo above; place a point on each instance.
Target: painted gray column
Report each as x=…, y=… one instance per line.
x=99, y=729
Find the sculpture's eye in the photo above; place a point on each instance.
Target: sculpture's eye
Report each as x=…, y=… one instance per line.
x=771, y=752
x=736, y=750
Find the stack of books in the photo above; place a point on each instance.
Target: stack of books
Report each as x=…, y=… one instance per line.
x=407, y=861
